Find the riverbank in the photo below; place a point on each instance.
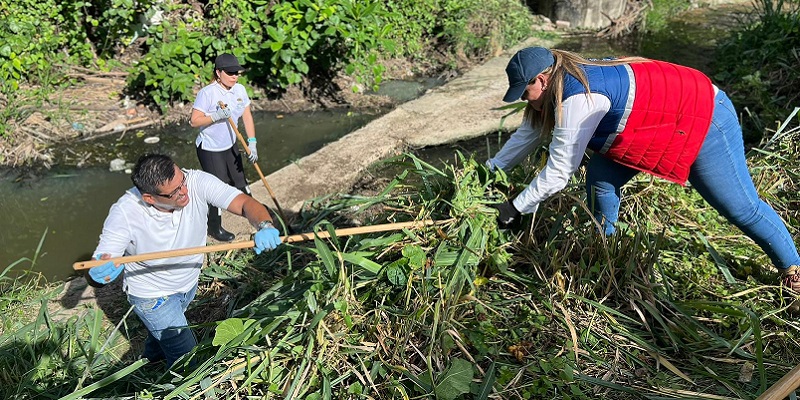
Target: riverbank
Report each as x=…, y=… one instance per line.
x=94, y=103
x=670, y=255
x=462, y=108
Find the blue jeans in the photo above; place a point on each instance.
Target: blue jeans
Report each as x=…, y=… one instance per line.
x=169, y=336
x=719, y=174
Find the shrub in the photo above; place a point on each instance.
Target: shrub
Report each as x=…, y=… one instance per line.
x=757, y=65
x=326, y=35
x=479, y=27
x=173, y=65
x=282, y=43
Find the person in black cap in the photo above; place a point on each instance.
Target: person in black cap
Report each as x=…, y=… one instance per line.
x=216, y=142
x=635, y=115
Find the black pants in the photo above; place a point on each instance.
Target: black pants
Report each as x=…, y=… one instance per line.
x=225, y=165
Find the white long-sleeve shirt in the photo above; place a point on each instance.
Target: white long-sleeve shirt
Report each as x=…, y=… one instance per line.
x=581, y=114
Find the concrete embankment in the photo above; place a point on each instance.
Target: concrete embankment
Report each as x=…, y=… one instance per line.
x=459, y=110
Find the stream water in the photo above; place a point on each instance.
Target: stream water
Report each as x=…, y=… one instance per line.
x=64, y=209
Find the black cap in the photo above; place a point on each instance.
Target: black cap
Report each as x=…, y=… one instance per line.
x=227, y=62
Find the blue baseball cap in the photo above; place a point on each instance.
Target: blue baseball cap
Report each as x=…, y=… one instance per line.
x=523, y=67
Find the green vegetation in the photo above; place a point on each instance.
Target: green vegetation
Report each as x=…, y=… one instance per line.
x=168, y=47
x=675, y=305
x=40, y=39
x=758, y=65
x=658, y=15
x=678, y=304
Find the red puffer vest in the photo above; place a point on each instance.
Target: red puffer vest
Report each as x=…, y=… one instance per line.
x=659, y=116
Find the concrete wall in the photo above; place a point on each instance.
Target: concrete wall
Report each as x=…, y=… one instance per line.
x=580, y=13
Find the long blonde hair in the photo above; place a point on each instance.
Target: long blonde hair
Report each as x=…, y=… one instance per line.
x=565, y=62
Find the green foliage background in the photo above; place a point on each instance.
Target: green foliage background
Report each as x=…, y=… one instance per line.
x=758, y=64
x=282, y=43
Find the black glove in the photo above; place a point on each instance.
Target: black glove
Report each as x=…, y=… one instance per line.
x=509, y=217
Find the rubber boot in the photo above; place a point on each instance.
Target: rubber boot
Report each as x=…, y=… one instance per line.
x=215, y=228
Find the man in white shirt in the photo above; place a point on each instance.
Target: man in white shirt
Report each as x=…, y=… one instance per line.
x=166, y=210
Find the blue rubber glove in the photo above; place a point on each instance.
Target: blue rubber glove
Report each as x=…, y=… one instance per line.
x=253, y=156
x=222, y=113
x=267, y=238
x=105, y=273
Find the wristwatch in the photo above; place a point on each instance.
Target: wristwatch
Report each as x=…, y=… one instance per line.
x=264, y=224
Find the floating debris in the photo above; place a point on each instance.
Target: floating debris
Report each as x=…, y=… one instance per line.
x=117, y=165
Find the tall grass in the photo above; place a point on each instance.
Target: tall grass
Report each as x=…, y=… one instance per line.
x=676, y=305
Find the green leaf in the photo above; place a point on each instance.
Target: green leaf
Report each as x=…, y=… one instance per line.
x=455, y=381
x=326, y=256
x=721, y=264
x=396, y=273
x=227, y=330
x=488, y=384
x=118, y=375
x=416, y=256
x=362, y=262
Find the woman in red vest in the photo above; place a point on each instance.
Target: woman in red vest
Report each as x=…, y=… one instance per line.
x=636, y=115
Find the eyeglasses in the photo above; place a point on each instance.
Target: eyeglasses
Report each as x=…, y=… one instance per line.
x=176, y=191
x=232, y=73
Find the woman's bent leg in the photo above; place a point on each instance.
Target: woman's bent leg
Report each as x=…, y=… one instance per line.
x=720, y=174
x=604, y=180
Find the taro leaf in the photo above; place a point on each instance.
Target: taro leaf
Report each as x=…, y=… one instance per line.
x=396, y=272
x=229, y=329
x=416, y=256
x=456, y=380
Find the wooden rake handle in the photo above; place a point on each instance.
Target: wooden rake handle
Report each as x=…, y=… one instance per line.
x=300, y=237
x=783, y=387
